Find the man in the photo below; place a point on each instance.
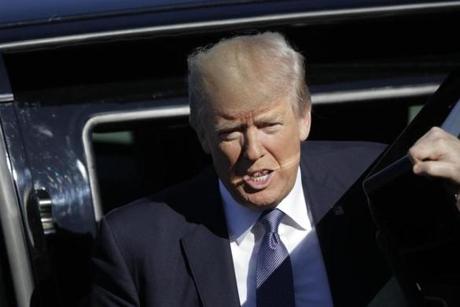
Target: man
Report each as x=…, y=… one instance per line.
x=206, y=242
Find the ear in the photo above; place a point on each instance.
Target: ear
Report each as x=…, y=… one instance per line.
x=202, y=137
x=305, y=123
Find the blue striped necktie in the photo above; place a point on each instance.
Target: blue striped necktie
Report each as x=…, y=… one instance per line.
x=274, y=272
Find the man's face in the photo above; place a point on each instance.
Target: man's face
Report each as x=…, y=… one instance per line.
x=255, y=147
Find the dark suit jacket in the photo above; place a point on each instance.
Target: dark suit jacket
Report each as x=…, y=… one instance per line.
x=172, y=249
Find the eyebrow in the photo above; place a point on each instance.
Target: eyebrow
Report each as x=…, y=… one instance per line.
x=268, y=118
x=229, y=126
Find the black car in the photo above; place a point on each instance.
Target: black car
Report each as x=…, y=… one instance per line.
x=93, y=106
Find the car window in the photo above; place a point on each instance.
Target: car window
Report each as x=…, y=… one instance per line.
x=134, y=159
x=137, y=158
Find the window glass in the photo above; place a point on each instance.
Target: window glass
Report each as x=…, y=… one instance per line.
x=139, y=158
x=135, y=159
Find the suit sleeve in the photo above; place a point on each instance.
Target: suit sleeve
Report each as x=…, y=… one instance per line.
x=112, y=282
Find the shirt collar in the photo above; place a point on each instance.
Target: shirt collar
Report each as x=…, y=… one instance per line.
x=294, y=206
x=240, y=219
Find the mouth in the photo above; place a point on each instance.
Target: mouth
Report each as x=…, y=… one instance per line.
x=258, y=180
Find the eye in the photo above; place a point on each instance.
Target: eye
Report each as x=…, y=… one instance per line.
x=271, y=127
x=229, y=135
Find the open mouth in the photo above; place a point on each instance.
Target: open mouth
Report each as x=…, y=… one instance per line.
x=258, y=180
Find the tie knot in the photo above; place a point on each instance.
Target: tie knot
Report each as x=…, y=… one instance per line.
x=271, y=219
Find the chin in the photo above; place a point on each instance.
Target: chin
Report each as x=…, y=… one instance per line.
x=258, y=202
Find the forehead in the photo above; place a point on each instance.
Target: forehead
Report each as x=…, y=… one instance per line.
x=224, y=95
x=228, y=112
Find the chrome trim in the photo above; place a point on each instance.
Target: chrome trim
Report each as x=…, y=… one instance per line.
x=374, y=94
x=13, y=230
x=304, y=17
x=159, y=112
x=6, y=97
x=182, y=109
x=46, y=214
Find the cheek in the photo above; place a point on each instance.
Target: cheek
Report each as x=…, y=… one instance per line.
x=282, y=144
x=284, y=151
x=228, y=153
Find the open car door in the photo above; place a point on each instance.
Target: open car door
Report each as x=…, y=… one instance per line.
x=417, y=218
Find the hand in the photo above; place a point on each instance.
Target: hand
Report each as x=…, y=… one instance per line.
x=437, y=154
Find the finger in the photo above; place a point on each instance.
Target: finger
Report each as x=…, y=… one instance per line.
x=431, y=134
x=432, y=150
x=437, y=169
x=433, y=145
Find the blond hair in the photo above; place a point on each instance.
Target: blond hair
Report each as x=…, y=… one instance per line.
x=261, y=65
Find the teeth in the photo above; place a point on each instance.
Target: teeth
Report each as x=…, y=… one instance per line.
x=260, y=174
x=260, y=178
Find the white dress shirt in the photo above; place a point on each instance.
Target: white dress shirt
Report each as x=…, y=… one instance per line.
x=295, y=230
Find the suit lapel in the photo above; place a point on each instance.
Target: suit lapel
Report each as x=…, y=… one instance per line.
x=320, y=197
x=334, y=237
x=211, y=265
x=207, y=248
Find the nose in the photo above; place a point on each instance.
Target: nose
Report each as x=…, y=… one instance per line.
x=253, y=148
